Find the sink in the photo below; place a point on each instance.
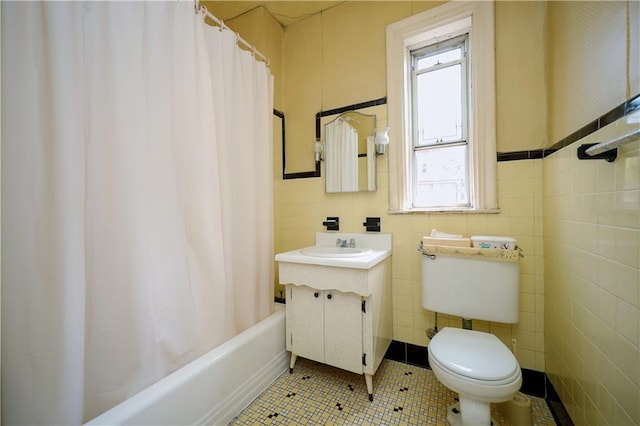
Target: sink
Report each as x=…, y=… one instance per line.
x=335, y=252
x=369, y=251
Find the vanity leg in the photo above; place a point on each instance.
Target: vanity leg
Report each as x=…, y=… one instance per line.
x=369, y=379
x=292, y=362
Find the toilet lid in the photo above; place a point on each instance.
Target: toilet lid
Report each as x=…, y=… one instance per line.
x=473, y=354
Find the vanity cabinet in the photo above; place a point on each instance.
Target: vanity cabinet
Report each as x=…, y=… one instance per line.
x=338, y=315
x=325, y=326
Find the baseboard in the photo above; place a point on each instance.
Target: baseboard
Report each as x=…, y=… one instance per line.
x=408, y=353
x=247, y=392
x=534, y=383
x=557, y=408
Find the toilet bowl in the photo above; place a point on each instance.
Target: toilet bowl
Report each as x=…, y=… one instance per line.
x=479, y=367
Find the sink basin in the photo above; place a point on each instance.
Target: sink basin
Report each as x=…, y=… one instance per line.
x=335, y=252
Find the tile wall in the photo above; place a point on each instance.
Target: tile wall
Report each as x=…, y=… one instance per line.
x=592, y=290
x=302, y=206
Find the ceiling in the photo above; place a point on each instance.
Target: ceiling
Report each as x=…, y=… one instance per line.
x=286, y=12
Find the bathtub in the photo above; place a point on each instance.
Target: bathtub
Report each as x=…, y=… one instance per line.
x=214, y=388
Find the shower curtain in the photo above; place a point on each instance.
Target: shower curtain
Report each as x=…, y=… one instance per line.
x=136, y=200
x=341, y=156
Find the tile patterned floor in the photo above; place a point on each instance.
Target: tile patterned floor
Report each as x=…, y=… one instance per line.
x=317, y=394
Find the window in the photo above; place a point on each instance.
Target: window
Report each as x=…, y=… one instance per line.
x=439, y=124
x=441, y=100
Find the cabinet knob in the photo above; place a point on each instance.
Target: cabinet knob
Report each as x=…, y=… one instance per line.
x=316, y=294
x=329, y=296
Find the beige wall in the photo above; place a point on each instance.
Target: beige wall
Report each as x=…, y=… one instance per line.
x=559, y=66
x=591, y=217
x=633, y=62
x=521, y=110
x=336, y=59
x=263, y=31
x=588, y=68
x=302, y=90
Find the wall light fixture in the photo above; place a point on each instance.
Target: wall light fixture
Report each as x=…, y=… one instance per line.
x=317, y=150
x=381, y=139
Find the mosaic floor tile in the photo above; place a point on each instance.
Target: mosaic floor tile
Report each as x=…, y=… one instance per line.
x=318, y=394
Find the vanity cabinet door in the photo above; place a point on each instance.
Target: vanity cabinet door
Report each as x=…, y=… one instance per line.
x=343, y=330
x=305, y=322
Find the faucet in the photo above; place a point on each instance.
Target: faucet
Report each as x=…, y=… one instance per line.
x=344, y=243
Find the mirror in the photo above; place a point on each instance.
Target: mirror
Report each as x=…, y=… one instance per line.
x=360, y=119
x=375, y=108
x=349, y=152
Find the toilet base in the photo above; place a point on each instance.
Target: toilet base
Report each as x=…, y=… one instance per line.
x=454, y=416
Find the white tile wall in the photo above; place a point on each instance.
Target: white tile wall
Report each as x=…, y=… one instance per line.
x=592, y=280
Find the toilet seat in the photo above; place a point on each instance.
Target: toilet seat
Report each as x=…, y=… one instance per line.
x=474, y=355
x=470, y=381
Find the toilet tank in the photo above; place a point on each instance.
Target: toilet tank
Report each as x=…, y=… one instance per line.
x=471, y=288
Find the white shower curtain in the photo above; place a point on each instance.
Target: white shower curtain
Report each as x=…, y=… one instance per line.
x=136, y=200
x=341, y=156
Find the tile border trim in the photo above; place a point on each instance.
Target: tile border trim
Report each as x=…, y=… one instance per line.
x=625, y=108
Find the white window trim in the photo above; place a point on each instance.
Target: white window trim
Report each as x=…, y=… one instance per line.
x=404, y=35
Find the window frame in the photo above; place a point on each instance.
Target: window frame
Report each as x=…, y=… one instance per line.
x=416, y=55
x=442, y=23
x=460, y=41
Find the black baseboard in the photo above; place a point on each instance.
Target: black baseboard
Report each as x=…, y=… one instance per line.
x=408, y=353
x=557, y=408
x=534, y=383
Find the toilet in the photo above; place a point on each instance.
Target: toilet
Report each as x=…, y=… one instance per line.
x=476, y=365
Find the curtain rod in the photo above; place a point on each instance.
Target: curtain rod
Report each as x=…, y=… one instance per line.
x=202, y=9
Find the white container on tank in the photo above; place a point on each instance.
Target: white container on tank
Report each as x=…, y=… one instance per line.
x=487, y=241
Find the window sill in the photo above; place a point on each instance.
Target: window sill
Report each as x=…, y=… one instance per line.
x=445, y=211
